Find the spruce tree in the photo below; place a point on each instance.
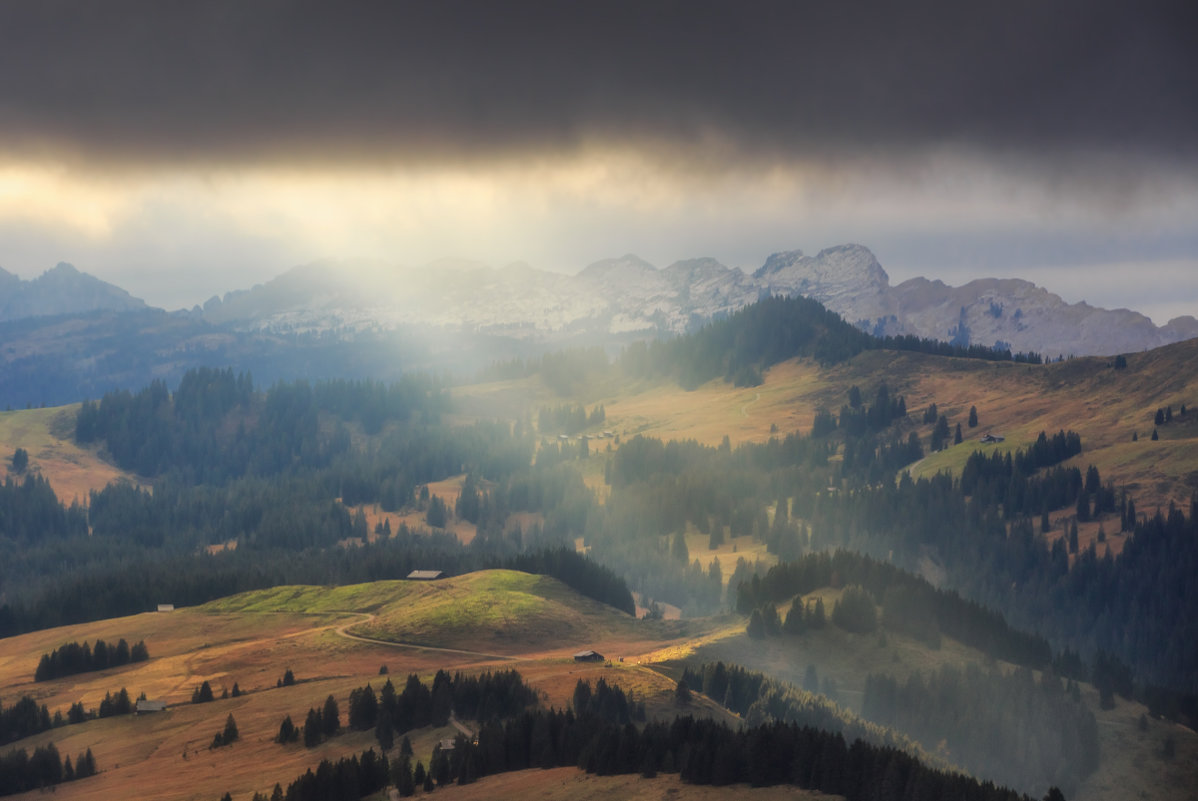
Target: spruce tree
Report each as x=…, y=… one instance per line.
x=401, y=777
x=330, y=717
x=679, y=549
x=756, y=627
x=287, y=732
x=973, y=417
x=313, y=729
x=202, y=694
x=384, y=731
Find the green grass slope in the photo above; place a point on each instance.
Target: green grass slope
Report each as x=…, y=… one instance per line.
x=494, y=611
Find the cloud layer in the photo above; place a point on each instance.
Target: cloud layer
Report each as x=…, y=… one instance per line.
x=227, y=80
x=183, y=149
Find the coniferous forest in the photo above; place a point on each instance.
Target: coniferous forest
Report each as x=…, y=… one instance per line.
x=282, y=471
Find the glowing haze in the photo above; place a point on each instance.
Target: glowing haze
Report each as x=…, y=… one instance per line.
x=181, y=150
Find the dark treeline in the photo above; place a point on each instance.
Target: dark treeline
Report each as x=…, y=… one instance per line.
x=484, y=697
x=704, y=752
x=869, y=454
x=20, y=771
x=568, y=419
x=25, y=718
x=741, y=346
x=1009, y=728
x=761, y=699
x=30, y=512
x=347, y=779
x=583, y=575
x=938, y=347
x=738, y=348
x=914, y=598
x=216, y=426
x=74, y=658
x=1044, y=452
x=992, y=553
x=599, y=736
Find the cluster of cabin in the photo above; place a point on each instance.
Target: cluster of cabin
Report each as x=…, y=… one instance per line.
x=585, y=437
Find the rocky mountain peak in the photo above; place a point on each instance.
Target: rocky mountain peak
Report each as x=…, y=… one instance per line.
x=61, y=290
x=627, y=266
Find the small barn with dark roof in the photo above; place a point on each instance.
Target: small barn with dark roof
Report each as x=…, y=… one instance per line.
x=588, y=656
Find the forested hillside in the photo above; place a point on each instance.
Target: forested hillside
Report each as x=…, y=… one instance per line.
x=335, y=482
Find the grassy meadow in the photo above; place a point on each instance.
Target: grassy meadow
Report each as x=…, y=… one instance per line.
x=253, y=638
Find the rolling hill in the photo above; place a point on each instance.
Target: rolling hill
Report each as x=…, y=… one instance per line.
x=252, y=638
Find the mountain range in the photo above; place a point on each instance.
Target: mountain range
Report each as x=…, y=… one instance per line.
x=629, y=296
x=607, y=302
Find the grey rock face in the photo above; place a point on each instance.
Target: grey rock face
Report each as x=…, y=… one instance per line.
x=627, y=295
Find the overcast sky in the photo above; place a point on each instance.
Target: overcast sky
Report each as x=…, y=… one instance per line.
x=182, y=150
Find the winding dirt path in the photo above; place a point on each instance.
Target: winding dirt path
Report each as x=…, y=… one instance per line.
x=343, y=630
x=744, y=410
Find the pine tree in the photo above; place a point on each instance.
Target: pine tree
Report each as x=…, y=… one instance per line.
x=679, y=549
x=756, y=627
x=818, y=617
x=313, y=729
x=811, y=680
x=682, y=693
x=973, y=417
x=330, y=717
x=401, y=777
x=795, y=623
x=287, y=732
x=940, y=433
x=384, y=731
x=202, y=694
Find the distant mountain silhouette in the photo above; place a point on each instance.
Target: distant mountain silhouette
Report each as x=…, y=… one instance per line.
x=62, y=290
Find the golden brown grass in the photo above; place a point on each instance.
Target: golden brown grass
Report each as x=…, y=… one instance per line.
x=571, y=784
x=1018, y=401
x=251, y=640
x=48, y=436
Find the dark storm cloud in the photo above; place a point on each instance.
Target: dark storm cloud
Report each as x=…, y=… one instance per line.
x=220, y=81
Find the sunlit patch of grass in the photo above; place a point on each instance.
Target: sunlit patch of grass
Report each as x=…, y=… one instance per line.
x=309, y=599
